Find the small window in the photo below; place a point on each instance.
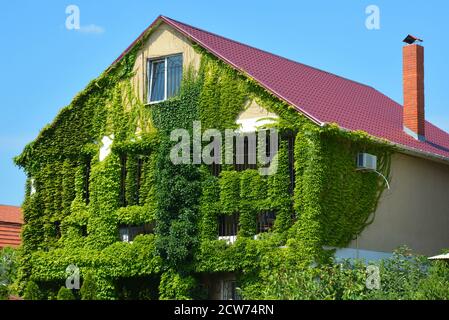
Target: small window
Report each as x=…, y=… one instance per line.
x=246, y=148
x=57, y=229
x=291, y=161
x=228, y=225
x=265, y=221
x=123, y=173
x=129, y=232
x=245, y=155
x=84, y=231
x=139, y=175
x=164, y=80
x=86, y=178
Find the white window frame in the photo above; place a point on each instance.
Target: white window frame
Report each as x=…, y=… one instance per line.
x=150, y=78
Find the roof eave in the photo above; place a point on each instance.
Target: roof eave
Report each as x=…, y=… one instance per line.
x=404, y=149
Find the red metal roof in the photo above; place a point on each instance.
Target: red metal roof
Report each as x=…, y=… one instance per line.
x=10, y=226
x=11, y=214
x=320, y=95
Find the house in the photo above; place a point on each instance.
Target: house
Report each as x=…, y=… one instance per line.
x=11, y=222
x=355, y=171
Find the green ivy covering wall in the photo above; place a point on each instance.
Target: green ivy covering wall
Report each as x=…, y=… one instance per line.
x=64, y=226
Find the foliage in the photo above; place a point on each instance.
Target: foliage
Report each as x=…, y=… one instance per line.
x=65, y=294
x=402, y=277
x=4, y=292
x=8, y=271
x=175, y=286
x=436, y=285
x=32, y=291
x=89, y=288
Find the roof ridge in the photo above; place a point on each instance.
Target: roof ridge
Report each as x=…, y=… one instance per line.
x=264, y=51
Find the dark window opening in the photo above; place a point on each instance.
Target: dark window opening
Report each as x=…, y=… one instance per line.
x=215, y=168
x=228, y=225
x=229, y=290
x=86, y=182
x=129, y=232
x=84, y=231
x=291, y=161
x=57, y=226
x=123, y=201
x=265, y=221
x=267, y=148
x=245, y=157
x=249, y=152
x=140, y=164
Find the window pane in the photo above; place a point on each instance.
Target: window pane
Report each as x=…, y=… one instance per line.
x=157, y=80
x=174, y=75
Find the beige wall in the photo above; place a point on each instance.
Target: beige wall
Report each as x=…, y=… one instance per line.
x=415, y=211
x=253, y=117
x=163, y=41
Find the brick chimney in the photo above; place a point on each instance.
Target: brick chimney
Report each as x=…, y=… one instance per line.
x=413, y=86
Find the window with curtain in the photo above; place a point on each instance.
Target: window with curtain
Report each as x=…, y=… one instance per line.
x=165, y=75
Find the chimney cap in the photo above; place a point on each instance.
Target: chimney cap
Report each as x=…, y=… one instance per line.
x=411, y=39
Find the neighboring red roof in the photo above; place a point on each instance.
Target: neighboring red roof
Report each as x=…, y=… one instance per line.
x=10, y=226
x=11, y=214
x=320, y=95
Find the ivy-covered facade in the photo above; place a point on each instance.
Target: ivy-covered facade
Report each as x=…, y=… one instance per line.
x=141, y=227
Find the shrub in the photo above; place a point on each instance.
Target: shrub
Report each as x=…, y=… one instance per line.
x=65, y=294
x=89, y=288
x=402, y=277
x=174, y=286
x=8, y=271
x=436, y=285
x=32, y=291
x=4, y=292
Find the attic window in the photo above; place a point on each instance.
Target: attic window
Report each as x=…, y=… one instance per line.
x=164, y=77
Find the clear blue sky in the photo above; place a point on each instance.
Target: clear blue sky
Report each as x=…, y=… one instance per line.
x=43, y=65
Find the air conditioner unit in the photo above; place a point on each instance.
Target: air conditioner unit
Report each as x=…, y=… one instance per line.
x=366, y=161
